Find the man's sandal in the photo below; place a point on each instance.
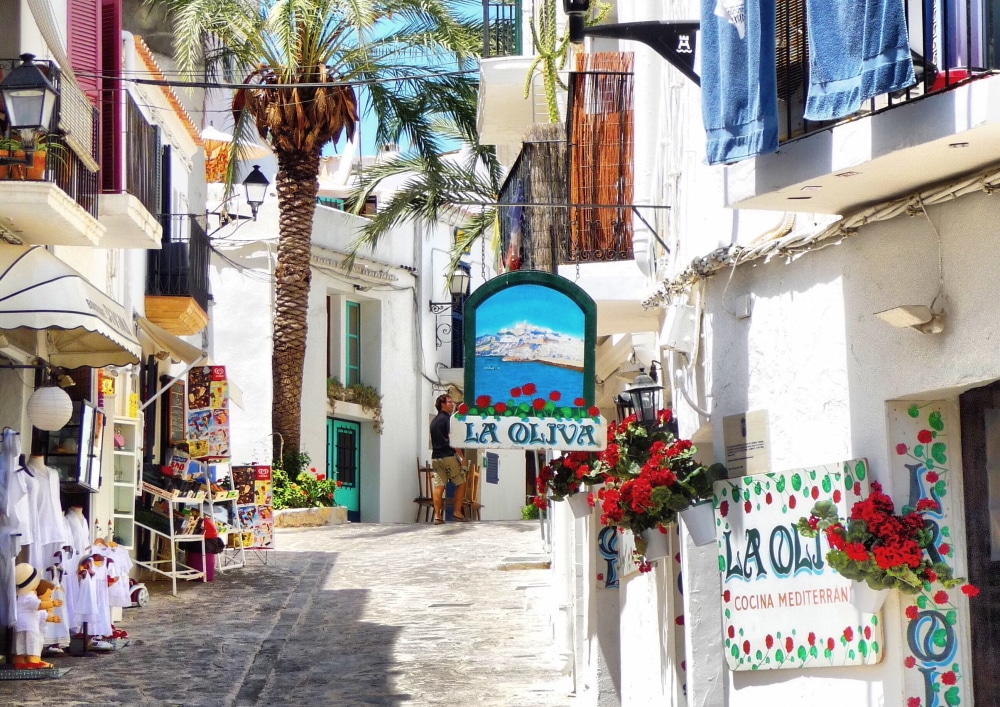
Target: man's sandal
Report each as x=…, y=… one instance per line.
x=439, y=521
x=459, y=519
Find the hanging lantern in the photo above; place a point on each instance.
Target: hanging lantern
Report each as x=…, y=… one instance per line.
x=50, y=408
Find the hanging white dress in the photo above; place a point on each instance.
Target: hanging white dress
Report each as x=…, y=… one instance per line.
x=57, y=634
x=79, y=529
x=53, y=531
x=119, y=565
x=101, y=625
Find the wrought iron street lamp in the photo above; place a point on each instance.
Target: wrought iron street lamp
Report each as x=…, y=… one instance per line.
x=646, y=395
x=28, y=96
x=256, y=185
x=458, y=285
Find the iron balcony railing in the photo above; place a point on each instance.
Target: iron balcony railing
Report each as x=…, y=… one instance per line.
x=951, y=42
x=180, y=267
x=502, y=28
x=53, y=158
x=142, y=156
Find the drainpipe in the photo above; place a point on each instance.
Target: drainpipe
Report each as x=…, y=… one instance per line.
x=564, y=579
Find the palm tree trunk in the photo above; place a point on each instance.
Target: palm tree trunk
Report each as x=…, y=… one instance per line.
x=297, y=188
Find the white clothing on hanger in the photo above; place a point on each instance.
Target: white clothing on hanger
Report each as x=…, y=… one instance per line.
x=79, y=529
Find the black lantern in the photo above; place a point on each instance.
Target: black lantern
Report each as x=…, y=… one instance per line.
x=256, y=185
x=645, y=394
x=28, y=96
x=576, y=10
x=623, y=407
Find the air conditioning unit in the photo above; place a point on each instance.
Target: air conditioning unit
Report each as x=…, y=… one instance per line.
x=678, y=331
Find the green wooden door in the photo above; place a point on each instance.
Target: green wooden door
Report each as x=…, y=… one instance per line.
x=343, y=458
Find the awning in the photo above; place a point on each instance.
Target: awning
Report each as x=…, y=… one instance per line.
x=85, y=327
x=159, y=342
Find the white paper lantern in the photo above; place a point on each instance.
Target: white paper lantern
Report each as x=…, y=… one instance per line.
x=50, y=408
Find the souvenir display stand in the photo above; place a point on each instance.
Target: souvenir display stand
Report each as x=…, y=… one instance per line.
x=128, y=460
x=172, y=528
x=223, y=494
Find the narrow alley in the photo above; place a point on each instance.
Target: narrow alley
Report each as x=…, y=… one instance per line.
x=356, y=614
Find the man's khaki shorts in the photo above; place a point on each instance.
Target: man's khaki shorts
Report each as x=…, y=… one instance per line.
x=448, y=469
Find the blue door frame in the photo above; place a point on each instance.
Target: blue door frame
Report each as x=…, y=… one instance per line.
x=343, y=460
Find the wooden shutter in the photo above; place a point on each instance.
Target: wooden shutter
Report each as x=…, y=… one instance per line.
x=84, y=45
x=112, y=170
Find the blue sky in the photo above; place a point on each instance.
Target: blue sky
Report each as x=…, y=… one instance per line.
x=538, y=305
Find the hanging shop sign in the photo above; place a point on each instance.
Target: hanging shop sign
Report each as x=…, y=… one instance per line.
x=783, y=606
x=530, y=343
x=208, y=413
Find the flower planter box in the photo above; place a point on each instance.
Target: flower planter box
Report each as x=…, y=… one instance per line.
x=310, y=517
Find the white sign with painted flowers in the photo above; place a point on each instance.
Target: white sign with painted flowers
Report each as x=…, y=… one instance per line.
x=783, y=606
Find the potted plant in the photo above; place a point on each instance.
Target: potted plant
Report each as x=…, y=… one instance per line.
x=564, y=477
x=879, y=549
x=20, y=167
x=651, y=477
x=364, y=395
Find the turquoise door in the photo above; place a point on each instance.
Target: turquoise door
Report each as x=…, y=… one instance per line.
x=343, y=459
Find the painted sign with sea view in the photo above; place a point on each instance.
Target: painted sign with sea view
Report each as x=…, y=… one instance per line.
x=530, y=340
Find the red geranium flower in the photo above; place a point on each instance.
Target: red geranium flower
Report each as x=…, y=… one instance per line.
x=528, y=388
x=769, y=641
x=463, y=408
x=900, y=449
x=910, y=661
x=746, y=647
x=912, y=612
x=970, y=590
x=848, y=634
x=593, y=411
x=932, y=478
x=538, y=403
x=554, y=396
x=949, y=678
x=913, y=702
x=789, y=644
x=811, y=638
x=579, y=402
x=924, y=436
x=500, y=408
x=515, y=392
x=941, y=597
x=483, y=401
x=731, y=631
x=830, y=644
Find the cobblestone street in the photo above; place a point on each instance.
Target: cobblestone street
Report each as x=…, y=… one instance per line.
x=356, y=614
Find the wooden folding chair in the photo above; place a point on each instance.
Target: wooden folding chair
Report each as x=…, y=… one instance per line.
x=425, y=489
x=471, y=504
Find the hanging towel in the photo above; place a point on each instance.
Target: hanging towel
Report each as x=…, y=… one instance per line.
x=858, y=49
x=738, y=86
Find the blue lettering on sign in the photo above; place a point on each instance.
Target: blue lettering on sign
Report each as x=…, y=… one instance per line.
x=932, y=640
x=785, y=555
x=607, y=545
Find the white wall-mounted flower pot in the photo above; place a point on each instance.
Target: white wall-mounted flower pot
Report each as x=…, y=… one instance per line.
x=579, y=505
x=657, y=544
x=865, y=599
x=699, y=521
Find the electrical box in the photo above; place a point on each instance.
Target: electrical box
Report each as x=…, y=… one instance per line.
x=678, y=329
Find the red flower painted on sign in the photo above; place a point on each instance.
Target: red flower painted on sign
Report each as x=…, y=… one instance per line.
x=910, y=661
x=970, y=590
x=554, y=396
x=579, y=402
x=924, y=436
x=515, y=392
x=769, y=641
x=593, y=411
x=500, y=408
x=913, y=702
x=731, y=631
x=912, y=612
x=830, y=644
x=746, y=647
x=848, y=634
x=538, y=403
x=949, y=678
x=811, y=638
x=941, y=597
x=789, y=644
x=483, y=401
x=463, y=408
x=901, y=449
x=528, y=388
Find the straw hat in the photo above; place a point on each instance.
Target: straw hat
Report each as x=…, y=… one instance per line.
x=26, y=578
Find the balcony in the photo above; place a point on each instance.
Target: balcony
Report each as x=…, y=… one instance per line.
x=942, y=128
x=177, y=278
x=130, y=214
x=51, y=199
x=502, y=28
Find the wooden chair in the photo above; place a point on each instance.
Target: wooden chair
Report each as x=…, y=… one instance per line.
x=471, y=504
x=425, y=487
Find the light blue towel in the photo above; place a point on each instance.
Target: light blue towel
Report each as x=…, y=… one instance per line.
x=738, y=87
x=858, y=49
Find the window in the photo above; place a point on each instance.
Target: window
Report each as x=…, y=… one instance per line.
x=352, y=341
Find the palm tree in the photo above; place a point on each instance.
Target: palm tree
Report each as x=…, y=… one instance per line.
x=298, y=62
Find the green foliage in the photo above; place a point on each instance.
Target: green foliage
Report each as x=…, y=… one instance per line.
x=295, y=485
x=366, y=396
x=530, y=512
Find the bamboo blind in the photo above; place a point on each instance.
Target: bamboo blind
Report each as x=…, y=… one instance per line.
x=601, y=157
